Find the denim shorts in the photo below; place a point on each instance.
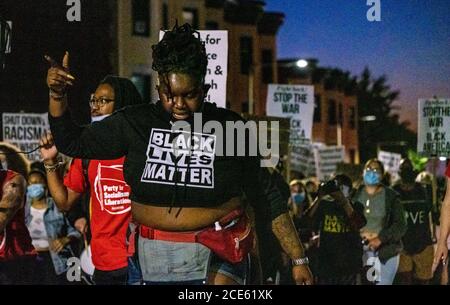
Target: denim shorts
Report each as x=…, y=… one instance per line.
x=165, y=262
x=237, y=272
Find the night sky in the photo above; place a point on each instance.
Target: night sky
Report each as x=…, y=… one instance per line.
x=410, y=45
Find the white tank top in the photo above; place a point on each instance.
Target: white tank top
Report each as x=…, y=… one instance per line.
x=37, y=229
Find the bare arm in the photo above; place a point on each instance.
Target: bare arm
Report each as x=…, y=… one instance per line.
x=284, y=230
x=63, y=196
x=445, y=216
x=441, y=254
x=12, y=199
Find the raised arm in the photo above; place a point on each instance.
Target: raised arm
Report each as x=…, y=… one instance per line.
x=64, y=197
x=102, y=140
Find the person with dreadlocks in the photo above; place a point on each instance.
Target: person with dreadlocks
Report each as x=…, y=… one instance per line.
x=109, y=206
x=185, y=195
x=17, y=253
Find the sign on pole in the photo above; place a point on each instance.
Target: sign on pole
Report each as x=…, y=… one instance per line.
x=25, y=130
x=295, y=102
x=216, y=43
x=434, y=127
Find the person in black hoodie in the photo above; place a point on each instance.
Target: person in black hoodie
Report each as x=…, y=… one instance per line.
x=182, y=190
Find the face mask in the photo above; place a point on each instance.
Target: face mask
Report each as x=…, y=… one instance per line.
x=99, y=118
x=371, y=178
x=407, y=175
x=345, y=190
x=298, y=198
x=36, y=191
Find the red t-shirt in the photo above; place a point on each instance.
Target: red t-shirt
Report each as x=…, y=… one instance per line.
x=110, y=208
x=15, y=240
x=447, y=171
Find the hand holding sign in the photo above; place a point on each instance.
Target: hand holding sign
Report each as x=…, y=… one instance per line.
x=58, y=77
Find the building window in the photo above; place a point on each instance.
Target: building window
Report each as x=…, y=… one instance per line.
x=317, y=108
x=267, y=66
x=165, y=15
x=246, y=52
x=332, y=112
x=141, y=17
x=352, y=117
x=211, y=26
x=245, y=107
x=341, y=114
x=190, y=15
x=143, y=85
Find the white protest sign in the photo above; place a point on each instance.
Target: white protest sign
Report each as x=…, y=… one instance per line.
x=302, y=159
x=327, y=158
x=434, y=127
x=391, y=162
x=216, y=43
x=25, y=130
x=295, y=102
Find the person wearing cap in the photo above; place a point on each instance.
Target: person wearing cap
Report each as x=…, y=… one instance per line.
x=50, y=231
x=102, y=182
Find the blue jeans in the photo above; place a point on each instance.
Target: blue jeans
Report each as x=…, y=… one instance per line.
x=165, y=262
x=382, y=274
x=134, y=271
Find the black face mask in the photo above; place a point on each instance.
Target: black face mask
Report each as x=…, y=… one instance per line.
x=407, y=175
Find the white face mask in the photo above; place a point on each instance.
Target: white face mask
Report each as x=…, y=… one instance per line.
x=99, y=118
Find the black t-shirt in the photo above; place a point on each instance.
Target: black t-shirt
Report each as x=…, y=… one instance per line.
x=417, y=205
x=340, y=250
x=172, y=167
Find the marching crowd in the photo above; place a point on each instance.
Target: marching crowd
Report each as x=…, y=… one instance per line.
x=142, y=213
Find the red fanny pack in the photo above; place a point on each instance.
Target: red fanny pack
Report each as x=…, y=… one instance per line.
x=231, y=238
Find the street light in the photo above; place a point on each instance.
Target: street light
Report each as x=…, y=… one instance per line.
x=368, y=118
x=301, y=63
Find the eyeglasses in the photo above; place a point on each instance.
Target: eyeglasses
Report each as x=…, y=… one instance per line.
x=99, y=102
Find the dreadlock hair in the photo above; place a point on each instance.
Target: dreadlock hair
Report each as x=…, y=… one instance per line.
x=182, y=51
